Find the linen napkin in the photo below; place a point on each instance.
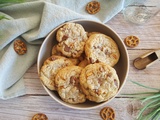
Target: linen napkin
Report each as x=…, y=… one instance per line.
x=31, y=21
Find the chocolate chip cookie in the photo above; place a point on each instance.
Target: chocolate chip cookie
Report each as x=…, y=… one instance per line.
x=102, y=48
x=50, y=68
x=68, y=86
x=99, y=82
x=71, y=38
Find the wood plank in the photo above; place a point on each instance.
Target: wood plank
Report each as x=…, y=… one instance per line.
x=23, y=108
x=148, y=33
x=37, y=100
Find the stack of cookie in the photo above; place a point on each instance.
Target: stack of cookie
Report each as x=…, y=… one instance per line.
x=81, y=65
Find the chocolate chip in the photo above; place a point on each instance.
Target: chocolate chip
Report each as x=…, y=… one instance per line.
x=97, y=91
x=100, y=81
x=52, y=58
x=106, y=52
x=64, y=37
x=115, y=82
x=91, y=60
x=66, y=48
x=74, y=80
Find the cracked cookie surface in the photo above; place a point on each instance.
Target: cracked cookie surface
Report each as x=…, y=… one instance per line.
x=71, y=38
x=68, y=86
x=102, y=48
x=99, y=82
x=50, y=68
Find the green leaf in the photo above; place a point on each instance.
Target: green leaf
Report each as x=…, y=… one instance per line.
x=11, y=1
x=155, y=105
x=152, y=100
x=152, y=114
x=157, y=117
x=145, y=86
x=151, y=97
x=3, y=17
x=140, y=93
x=146, y=107
x=4, y=3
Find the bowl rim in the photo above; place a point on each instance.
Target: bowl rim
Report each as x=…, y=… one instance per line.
x=122, y=84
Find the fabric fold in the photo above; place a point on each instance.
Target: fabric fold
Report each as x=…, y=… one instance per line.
x=32, y=21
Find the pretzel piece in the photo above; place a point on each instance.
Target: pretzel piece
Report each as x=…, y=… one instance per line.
x=107, y=113
x=20, y=47
x=39, y=116
x=131, y=41
x=93, y=7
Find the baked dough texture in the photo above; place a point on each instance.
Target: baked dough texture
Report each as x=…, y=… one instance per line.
x=99, y=82
x=50, y=68
x=68, y=86
x=71, y=38
x=102, y=48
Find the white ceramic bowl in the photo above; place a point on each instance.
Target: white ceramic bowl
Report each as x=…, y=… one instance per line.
x=122, y=67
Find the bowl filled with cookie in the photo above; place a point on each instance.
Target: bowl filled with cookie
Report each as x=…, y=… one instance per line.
x=83, y=64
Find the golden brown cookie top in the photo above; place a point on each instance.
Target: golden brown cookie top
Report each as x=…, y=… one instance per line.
x=73, y=31
x=99, y=82
x=50, y=68
x=68, y=86
x=102, y=48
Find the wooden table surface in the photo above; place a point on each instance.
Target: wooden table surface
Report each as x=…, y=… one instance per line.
x=37, y=100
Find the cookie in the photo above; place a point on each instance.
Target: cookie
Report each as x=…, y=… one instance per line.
x=131, y=41
x=99, y=82
x=39, y=116
x=107, y=113
x=83, y=63
x=73, y=31
x=20, y=47
x=68, y=86
x=91, y=33
x=56, y=52
x=93, y=7
x=70, y=48
x=71, y=37
x=102, y=48
x=50, y=68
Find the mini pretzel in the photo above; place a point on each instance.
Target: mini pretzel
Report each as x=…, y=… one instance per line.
x=39, y=116
x=20, y=47
x=131, y=41
x=93, y=7
x=107, y=113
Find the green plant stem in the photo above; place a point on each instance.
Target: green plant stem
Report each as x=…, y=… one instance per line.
x=151, y=97
x=152, y=114
x=145, y=107
x=151, y=100
x=145, y=86
x=3, y=17
x=4, y=3
x=10, y=1
x=155, y=105
x=141, y=93
x=157, y=117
